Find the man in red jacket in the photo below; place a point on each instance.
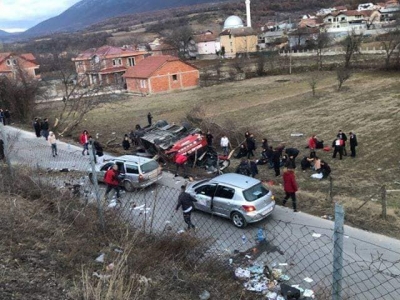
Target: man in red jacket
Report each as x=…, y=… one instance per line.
x=180, y=161
x=84, y=140
x=290, y=187
x=111, y=179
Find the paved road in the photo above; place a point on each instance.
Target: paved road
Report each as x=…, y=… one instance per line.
x=371, y=267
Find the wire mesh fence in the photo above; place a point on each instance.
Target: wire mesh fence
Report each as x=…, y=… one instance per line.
x=292, y=253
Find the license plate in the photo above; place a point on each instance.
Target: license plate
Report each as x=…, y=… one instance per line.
x=267, y=211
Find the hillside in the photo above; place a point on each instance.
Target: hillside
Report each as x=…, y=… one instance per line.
x=4, y=34
x=87, y=12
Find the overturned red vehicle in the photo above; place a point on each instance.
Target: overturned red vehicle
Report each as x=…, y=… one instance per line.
x=167, y=140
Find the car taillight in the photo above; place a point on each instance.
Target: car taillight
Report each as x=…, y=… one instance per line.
x=141, y=178
x=248, y=208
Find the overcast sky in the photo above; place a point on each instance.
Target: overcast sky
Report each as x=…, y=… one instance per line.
x=19, y=15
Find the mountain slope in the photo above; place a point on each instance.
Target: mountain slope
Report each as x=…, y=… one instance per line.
x=87, y=12
x=4, y=34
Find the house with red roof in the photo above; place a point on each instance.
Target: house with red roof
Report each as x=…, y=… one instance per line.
x=163, y=73
x=106, y=65
x=12, y=64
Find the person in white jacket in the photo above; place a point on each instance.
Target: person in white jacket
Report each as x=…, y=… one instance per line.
x=53, y=143
x=225, y=144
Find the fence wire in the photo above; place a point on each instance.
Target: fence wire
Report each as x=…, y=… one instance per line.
x=301, y=254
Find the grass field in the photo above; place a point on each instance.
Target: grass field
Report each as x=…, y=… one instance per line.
x=277, y=106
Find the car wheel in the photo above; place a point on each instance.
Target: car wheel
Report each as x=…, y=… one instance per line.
x=128, y=186
x=238, y=220
x=91, y=178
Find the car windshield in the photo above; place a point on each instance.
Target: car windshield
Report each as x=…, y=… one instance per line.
x=255, y=192
x=199, y=183
x=149, y=166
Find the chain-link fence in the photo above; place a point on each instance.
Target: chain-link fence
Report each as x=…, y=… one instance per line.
x=319, y=260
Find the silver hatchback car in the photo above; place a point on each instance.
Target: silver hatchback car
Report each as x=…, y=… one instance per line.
x=240, y=198
x=138, y=171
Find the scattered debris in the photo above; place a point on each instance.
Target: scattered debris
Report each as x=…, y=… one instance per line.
x=308, y=280
x=308, y=293
x=297, y=134
x=242, y=273
x=100, y=258
x=100, y=276
x=317, y=176
x=316, y=235
x=118, y=250
x=205, y=295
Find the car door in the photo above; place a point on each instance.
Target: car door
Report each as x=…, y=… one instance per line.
x=132, y=173
x=103, y=170
x=204, y=196
x=223, y=200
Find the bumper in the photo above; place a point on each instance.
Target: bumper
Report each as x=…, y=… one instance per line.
x=149, y=182
x=259, y=215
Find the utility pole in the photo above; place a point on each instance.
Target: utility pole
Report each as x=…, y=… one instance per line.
x=338, y=253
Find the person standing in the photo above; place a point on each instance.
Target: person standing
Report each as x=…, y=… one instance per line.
x=1, y=149
x=180, y=161
x=112, y=181
x=337, y=145
x=209, y=138
x=342, y=136
x=36, y=126
x=276, y=161
x=45, y=128
x=7, y=117
x=84, y=140
x=253, y=168
x=264, y=144
x=251, y=145
x=290, y=187
x=99, y=152
x=2, y=117
x=353, y=144
x=185, y=200
x=53, y=143
x=225, y=145
x=149, y=119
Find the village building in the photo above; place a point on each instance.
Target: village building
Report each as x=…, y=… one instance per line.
x=106, y=65
x=207, y=44
x=160, y=47
x=13, y=65
x=163, y=73
x=389, y=11
x=304, y=37
x=352, y=19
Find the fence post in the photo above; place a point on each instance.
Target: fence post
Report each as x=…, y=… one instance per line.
x=96, y=185
x=330, y=191
x=6, y=148
x=384, y=202
x=338, y=253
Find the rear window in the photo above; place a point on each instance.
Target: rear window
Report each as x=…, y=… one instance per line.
x=255, y=192
x=149, y=166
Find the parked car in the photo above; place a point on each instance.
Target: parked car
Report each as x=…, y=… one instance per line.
x=138, y=171
x=240, y=198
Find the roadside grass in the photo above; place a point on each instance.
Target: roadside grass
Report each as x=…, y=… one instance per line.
x=50, y=241
x=280, y=105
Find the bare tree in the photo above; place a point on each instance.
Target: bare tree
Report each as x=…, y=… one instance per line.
x=18, y=94
x=77, y=99
x=343, y=74
x=313, y=84
x=179, y=38
x=260, y=64
x=351, y=45
x=323, y=40
x=390, y=44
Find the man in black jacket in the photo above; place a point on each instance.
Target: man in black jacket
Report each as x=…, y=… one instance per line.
x=36, y=126
x=342, y=136
x=251, y=145
x=45, y=128
x=244, y=168
x=186, y=201
x=276, y=160
x=353, y=144
x=292, y=153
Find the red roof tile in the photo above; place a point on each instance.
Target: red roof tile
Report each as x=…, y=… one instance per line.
x=25, y=61
x=108, y=52
x=146, y=67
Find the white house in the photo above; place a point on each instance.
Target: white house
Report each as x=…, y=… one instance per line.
x=351, y=19
x=207, y=44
